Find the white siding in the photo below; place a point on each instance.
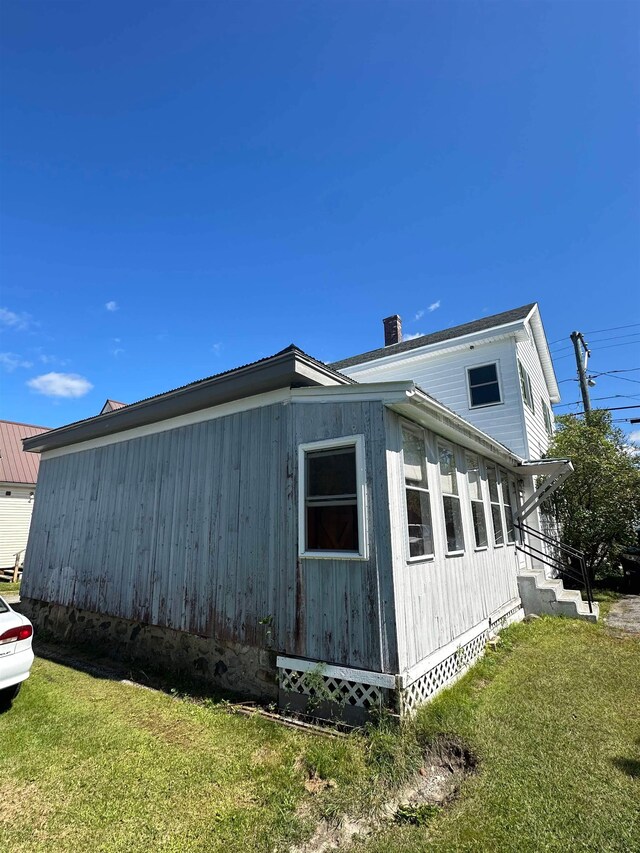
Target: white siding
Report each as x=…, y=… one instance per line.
x=444, y=376
x=15, y=518
x=537, y=438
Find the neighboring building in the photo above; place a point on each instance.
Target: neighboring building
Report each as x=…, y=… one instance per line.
x=18, y=476
x=280, y=518
x=111, y=406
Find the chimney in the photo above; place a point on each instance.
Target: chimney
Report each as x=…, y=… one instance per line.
x=392, y=330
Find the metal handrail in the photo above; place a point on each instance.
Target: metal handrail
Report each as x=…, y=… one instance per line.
x=579, y=574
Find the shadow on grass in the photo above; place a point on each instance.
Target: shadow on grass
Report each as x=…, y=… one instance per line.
x=628, y=765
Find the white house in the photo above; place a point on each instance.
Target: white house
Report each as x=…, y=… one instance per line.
x=18, y=476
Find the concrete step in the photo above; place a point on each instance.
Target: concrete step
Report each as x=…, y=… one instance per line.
x=542, y=595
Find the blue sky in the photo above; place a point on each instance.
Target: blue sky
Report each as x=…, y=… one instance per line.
x=186, y=187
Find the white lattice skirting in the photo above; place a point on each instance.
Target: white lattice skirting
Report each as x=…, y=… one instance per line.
x=360, y=689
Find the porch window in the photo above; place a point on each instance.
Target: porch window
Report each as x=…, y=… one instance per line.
x=450, y=499
x=477, y=502
x=525, y=386
x=508, y=507
x=332, y=483
x=419, y=526
x=494, y=498
x=484, y=388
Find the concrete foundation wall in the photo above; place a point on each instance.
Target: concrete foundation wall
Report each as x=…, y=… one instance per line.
x=246, y=670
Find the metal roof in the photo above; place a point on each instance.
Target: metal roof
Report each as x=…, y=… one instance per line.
x=16, y=466
x=290, y=366
x=111, y=406
x=482, y=325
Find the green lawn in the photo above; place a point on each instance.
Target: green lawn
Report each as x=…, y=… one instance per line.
x=6, y=587
x=553, y=716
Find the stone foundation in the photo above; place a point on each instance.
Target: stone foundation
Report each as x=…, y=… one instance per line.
x=245, y=670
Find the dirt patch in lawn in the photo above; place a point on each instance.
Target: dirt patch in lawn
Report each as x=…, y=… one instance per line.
x=434, y=786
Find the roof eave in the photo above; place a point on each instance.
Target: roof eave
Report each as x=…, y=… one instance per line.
x=544, y=354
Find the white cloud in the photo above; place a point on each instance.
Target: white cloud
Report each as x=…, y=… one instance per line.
x=419, y=314
x=13, y=320
x=635, y=435
x=60, y=385
x=52, y=359
x=411, y=337
x=9, y=360
x=434, y=306
x=111, y=306
x=217, y=348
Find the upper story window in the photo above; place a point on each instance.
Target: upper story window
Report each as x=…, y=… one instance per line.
x=419, y=525
x=332, y=491
x=525, y=386
x=484, y=387
x=494, y=498
x=477, y=501
x=450, y=499
x=548, y=422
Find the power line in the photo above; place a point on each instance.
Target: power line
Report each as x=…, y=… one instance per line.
x=610, y=397
x=609, y=346
x=603, y=340
x=596, y=331
x=624, y=378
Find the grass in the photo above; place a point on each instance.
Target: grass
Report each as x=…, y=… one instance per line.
x=7, y=587
x=553, y=716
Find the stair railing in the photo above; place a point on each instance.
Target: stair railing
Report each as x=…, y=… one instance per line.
x=567, y=560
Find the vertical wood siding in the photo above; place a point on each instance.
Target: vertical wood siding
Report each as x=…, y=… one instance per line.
x=438, y=599
x=196, y=529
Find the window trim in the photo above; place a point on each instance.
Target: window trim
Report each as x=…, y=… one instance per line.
x=497, y=503
x=547, y=417
x=482, y=500
x=526, y=389
x=417, y=430
x=506, y=479
x=499, y=402
x=356, y=441
x=442, y=442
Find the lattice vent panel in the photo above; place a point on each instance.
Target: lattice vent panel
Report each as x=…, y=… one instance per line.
x=321, y=687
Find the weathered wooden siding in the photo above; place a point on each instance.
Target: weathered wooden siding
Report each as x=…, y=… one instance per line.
x=196, y=529
x=439, y=599
x=444, y=376
x=15, y=518
x=348, y=610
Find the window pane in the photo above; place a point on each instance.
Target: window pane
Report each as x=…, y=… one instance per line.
x=479, y=523
x=482, y=395
x=414, y=458
x=331, y=472
x=492, y=479
x=332, y=528
x=448, y=481
x=453, y=523
x=419, y=521
x=506, y=497
x=473, y=473
x=482, y=375
x=496, y=517
x=511, y=533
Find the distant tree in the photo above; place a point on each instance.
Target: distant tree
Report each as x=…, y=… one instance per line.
x=598, y=506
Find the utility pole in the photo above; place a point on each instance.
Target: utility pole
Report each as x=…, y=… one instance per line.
x=579, y=340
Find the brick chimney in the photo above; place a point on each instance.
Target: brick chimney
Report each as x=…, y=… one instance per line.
x=392, y=330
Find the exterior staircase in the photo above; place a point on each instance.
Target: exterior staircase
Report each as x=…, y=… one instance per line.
x=547, y=595
x=542, y=595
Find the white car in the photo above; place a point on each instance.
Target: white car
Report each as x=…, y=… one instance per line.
x=16, y=655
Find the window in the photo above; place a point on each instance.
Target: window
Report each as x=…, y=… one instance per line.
x=450, y=499
x=477, y=502
x=494, y=497
x=419, y=526
x=332, y=484
x=7, y=494
x=508, y=508
x=525, y=386
x=484, y=388
x=546, y=413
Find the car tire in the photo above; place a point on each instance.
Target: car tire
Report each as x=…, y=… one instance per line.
x=8, y=695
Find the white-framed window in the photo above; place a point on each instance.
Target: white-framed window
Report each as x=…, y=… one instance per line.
x=454, y=534
x=419, y=523
x=546, y=414
x=484, y=385
x=494, y=499
x=332, y=499
x=525, y=386
x=478, y=514
x=507, y=500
